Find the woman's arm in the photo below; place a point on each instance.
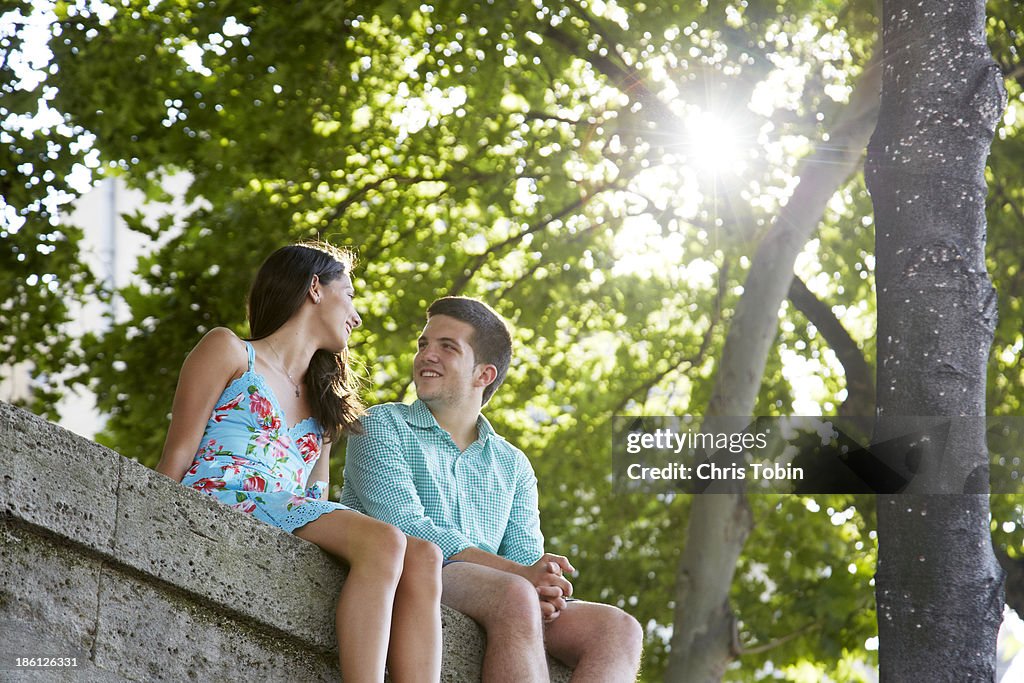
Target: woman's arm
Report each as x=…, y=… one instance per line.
x=217, y=359
x=318, y=484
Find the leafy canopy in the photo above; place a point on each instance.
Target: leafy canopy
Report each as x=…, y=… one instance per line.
x=599, y=173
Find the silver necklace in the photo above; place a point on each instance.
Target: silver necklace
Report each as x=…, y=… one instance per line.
x=281, y=363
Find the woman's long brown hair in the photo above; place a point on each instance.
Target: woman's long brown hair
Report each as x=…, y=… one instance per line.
x=279, y=290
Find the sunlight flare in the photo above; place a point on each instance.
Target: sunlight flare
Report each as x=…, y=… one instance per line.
x=710, y=141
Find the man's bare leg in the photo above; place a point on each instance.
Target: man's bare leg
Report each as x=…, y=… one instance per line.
x=601, y=642
x=508, y=609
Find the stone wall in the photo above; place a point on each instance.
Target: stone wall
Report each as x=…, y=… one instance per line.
x=141, y=579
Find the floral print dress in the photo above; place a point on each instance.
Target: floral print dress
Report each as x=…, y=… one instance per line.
x=251, y=460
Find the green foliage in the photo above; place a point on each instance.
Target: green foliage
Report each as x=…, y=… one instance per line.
x=42, y=274
x=535, y=158
x=805, y=581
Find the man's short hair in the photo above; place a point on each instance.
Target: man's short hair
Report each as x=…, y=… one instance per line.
x=491, y=340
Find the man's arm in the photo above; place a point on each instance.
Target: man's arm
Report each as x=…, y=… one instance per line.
x=545, y=575
x=523, y=541
x=521, y=550
x=547, y=571
x=381, y=478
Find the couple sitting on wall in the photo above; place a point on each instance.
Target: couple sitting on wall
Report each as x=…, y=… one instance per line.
x=436, y=506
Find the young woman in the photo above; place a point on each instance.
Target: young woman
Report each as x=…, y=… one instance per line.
x=250, y=422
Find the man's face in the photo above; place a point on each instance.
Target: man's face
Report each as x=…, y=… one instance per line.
x=444, y=369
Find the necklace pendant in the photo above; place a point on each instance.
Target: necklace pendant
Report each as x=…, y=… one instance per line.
x=296, y=392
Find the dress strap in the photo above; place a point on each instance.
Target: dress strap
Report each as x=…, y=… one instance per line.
x=252, y=356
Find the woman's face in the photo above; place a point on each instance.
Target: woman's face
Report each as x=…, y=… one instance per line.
x=339, y=311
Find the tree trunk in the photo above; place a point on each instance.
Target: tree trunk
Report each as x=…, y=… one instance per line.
x=939, y=588
x=703, y=637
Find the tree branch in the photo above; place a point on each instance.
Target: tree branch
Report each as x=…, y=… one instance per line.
x=718, y=525
x=364, y=190
x=627, y=79
x=599, y=30
x=533, y=115
x=1016, y=73
x=1000, y=190
x=741, y=650
x=472, y=268
x=860, y=386
x=537, y=266
x=694, y=360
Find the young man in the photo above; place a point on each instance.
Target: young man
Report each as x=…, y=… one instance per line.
x=437, y=470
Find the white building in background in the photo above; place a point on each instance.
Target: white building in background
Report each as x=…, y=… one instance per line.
x=111, y=250
x=14, y=382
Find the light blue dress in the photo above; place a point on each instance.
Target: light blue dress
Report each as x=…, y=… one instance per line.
x=251, y=460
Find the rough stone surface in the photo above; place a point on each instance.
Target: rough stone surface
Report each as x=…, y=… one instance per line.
x=47, y=597
x=57, y=480
x=225, y=557
x=142, y=579
x=156, y=635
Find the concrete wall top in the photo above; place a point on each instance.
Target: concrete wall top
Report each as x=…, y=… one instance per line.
x=65, y=487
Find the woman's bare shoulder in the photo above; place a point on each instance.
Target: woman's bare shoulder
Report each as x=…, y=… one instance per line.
x=221, y=347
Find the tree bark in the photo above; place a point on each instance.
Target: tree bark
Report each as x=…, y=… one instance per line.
x=704, y=638
x=939, y=588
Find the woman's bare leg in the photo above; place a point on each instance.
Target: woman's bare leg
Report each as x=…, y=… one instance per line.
x=415, y=653
x=375, y=553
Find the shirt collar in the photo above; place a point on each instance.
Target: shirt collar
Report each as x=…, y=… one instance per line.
x=420, y=416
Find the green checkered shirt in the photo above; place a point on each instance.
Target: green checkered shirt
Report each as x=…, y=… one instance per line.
x=405, y=470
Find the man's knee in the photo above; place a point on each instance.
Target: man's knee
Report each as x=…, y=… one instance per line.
x=631, y=633
x=515, y=607
x=622, y=633
x=610, y=627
